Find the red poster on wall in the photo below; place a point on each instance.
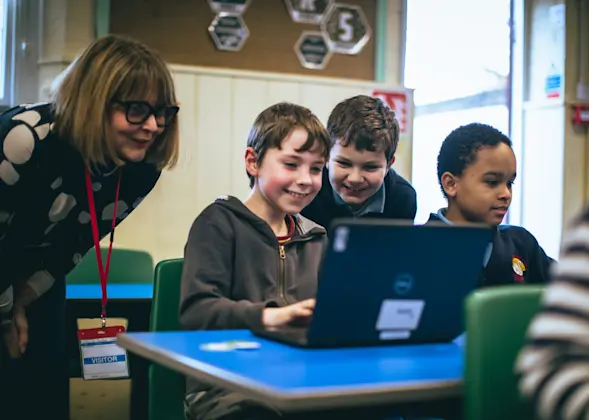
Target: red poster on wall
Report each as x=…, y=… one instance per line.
x=398, y=102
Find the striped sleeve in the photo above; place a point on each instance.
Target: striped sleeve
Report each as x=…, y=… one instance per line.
x=554, y=363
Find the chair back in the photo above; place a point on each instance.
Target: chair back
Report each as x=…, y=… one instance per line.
x=166, y=387
x=126, y=266
x=497, y=320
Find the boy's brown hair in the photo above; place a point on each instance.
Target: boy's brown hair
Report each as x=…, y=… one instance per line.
x=112, y=68
x=276, y=122
x=366, y=123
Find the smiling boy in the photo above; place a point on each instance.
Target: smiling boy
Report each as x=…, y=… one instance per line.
x=359, y=180
x=476, y=172
x=255, y=264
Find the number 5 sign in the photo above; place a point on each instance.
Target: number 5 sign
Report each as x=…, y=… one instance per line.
x=346, y=28
x=398, y=101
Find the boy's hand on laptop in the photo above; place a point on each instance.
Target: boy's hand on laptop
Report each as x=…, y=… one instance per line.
x=298, y=313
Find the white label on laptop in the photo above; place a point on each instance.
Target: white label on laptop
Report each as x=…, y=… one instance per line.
x=340, y=241
x=399, y=314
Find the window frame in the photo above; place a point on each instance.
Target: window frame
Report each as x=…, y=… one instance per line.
x=7, y=40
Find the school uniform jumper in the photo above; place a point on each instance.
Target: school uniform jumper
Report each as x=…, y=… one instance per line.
x=515, y=257
x=396, y=199
x=45, y=231
x=234, y=267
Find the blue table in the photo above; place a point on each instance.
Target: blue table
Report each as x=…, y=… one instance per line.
x=114, y=291
x=294, y=379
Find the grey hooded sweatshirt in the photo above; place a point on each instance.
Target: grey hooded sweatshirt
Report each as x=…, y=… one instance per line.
x=234, y=267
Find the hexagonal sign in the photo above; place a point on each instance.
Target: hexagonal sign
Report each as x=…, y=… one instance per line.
x=346, y=28
x=307, y=11
x=313, y=51
x=229, y=32
x=229, y=6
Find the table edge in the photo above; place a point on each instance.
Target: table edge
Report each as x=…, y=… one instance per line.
x=340, y=398
x=113, y=299
x=85, y=298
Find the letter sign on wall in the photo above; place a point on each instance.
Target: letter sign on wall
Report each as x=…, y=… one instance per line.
x=313, y=50
x=307, y=11
x=229, y=6
x=346, y=28
x=228, y=32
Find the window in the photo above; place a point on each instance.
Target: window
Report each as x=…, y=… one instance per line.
x=20, y=40
x=458, y=62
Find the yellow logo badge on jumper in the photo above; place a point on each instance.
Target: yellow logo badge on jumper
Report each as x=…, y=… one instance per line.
x=518, y=266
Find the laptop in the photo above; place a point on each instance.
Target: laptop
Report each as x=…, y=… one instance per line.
x=391, y=282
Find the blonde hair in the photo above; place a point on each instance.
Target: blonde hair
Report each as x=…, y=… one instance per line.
x=112, y=68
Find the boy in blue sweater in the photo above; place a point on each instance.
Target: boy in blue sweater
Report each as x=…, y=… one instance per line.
x=476, y=171
x=358, y=180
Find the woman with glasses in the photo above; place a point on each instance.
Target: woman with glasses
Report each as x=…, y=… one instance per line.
x=70, y=171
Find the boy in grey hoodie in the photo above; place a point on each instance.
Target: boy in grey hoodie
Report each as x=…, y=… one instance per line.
x=255, y=263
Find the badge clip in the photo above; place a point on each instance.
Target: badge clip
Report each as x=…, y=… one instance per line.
x=103, y=317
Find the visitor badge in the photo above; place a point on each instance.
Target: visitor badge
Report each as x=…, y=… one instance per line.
x=100, y=355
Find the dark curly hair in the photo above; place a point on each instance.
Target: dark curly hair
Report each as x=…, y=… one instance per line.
x=365, y=122
x=460, y=148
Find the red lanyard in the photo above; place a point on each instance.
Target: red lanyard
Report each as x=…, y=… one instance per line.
x=102, y=270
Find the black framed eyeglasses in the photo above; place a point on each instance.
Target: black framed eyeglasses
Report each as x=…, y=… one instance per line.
x=137, y=112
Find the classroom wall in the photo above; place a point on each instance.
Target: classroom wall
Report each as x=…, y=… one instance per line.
x=542, y=165
x=576, y=151
x=217, y=110
x=67, y=28
x=553, y=155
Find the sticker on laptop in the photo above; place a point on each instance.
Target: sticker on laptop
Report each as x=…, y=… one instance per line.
x=403, y=315
x=230, y=346
x=340, y=241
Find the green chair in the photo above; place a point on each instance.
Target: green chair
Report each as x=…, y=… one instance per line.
x=126, y=266
x=166, y=387
x=496, y=323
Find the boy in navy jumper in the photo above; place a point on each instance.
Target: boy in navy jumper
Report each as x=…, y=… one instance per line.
x=476, y=172
x=358, y=180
